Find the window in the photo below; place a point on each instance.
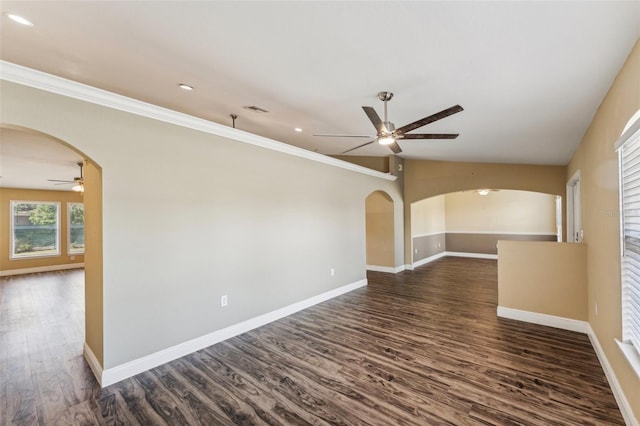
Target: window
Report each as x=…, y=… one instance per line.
x=76, y=228
x=628, y=147
x=35, y=229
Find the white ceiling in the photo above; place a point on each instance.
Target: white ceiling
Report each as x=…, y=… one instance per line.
x=530, y=75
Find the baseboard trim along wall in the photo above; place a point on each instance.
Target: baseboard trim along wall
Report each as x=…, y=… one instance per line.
x=544, y=319
x=581, y=327
x=93, y=362
x=621, y=399
x=137, y=366
x=427, y=260
x=41, y=269
x=389, y=269
x=474, y=255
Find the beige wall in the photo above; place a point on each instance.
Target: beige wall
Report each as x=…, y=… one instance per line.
x=543, y=277
x=63, y=197
x=501, y=212
x=428, y=216
x=379, y=223
x=424, y=179
x=597, y=162
x=93, y=289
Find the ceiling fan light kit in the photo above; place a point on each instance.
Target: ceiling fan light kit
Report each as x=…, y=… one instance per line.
x=386, y=132
x=78, y=182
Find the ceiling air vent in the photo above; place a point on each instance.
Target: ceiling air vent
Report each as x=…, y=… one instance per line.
x=255, y=109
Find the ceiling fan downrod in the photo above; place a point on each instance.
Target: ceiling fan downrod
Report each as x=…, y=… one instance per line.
x=385, y=97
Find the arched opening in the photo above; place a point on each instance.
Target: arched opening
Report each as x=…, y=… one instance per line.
x=33, y=164
x=469, y=223
x=380, y=232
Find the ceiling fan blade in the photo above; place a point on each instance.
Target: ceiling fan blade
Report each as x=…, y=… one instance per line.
x=395, y=148
x=63, y=183
x=429, y=136
x=375, y=119
x=359, y=146
x=346, y=136
x=430, y=119
x=58, y=180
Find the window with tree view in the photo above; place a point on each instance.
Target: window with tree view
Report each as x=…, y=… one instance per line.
x=76, y=228
x=35, y=229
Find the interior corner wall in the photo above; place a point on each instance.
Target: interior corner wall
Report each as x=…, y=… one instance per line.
x=64, y=258
x=598, y=164
x=189, y=216
x=428, y=228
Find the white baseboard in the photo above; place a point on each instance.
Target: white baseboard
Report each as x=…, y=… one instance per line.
x=621, y=399
x=389, y=269
x=93, y=362
x=41, y=269
x=428, y=260
x=115, y=374
x=544, y=319
x=474, y=255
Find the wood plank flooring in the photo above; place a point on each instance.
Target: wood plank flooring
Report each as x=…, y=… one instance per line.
x=421, y=347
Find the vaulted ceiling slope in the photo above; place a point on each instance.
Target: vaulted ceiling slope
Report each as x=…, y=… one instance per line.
x=530, y=75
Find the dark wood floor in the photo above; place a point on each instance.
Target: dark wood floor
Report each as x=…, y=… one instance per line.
x=417, y=348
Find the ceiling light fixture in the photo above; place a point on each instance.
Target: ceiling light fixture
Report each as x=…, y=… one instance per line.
x=386, y=140
x=298, y=129
x=19, y=19
x=79, y=187
x=185, y=87
x=483, y=191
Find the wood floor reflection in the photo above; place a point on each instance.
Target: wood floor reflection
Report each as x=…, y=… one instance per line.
x=420, y=347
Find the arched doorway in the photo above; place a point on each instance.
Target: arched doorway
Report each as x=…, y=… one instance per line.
x=29, y=158
x=380, y=232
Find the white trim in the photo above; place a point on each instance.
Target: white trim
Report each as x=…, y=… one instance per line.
x=631, y=128
x=473, y=255
x=618, y=394
x=388, y=269
x=41, y=269
x=123, y=371
x=543, y=319
x=50, y=83
x=631, y=354
x=571, y=231
x=427, y=260
x=93, y=362
x=429, y=235
x=502, y=233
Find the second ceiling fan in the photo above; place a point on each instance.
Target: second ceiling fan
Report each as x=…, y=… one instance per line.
x=388, y=135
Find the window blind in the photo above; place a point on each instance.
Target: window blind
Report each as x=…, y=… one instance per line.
x=629, y=154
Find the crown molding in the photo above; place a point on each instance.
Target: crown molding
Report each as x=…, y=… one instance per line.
x=72, y=89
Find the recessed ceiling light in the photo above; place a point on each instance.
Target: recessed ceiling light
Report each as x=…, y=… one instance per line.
x=19, y=19
x=298, y=129
x=185, y=87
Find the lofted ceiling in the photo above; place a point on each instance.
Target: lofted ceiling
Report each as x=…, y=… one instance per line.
x=530, y=75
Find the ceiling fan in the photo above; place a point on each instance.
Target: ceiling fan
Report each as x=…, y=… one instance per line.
x=78, y=182
x=387, y=134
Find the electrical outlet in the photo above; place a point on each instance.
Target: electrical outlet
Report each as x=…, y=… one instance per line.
x=596, y=309
x=333, y=272
x=224, y=300
x=72, y=258
x=416, y=251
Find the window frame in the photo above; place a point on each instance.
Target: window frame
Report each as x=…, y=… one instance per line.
x=631, y=352
x=71, y=251
x=12, y=254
